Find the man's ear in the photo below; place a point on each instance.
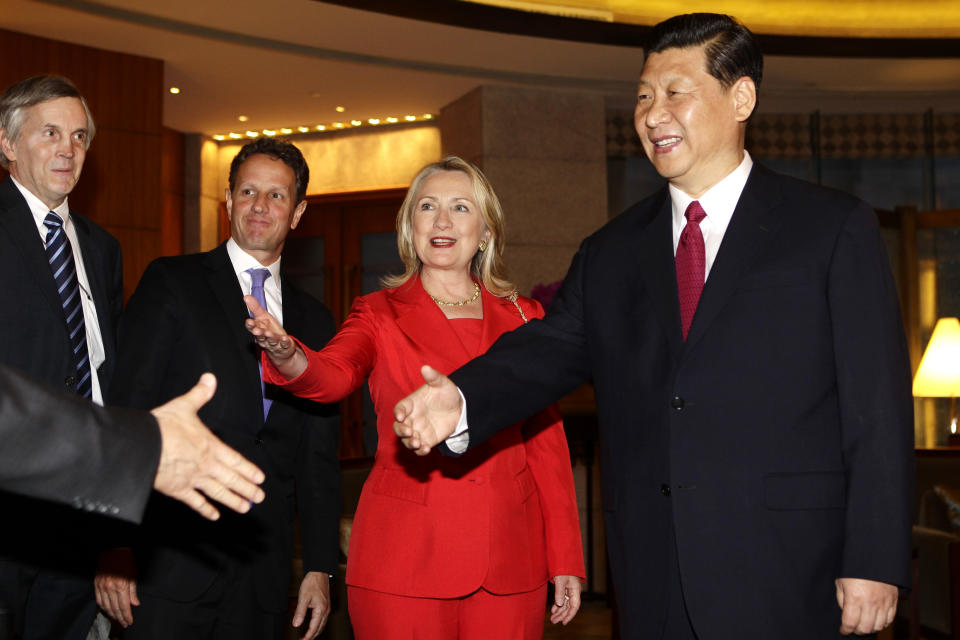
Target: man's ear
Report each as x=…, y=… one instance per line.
x=744, y=94
x=297, y=213
x=229, y=202
x=6, y=145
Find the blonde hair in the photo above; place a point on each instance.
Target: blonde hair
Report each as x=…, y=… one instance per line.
x=487, y=266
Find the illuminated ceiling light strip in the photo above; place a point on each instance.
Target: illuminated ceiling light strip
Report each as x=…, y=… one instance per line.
x=370, y=122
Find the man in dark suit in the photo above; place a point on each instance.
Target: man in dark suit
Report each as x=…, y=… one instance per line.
x=743, y=335
x=231, y=579
x=61, y=448
x=62, y=282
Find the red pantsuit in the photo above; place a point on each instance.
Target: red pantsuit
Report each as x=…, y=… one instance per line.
x=502, y=519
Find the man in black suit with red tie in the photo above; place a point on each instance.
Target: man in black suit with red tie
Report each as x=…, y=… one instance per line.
x=744, y=338
x=63, y=283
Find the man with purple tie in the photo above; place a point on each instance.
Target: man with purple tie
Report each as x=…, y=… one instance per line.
x=186, y=578
x=742, y=331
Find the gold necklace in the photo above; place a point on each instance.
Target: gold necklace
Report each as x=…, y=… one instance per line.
x=458, y=303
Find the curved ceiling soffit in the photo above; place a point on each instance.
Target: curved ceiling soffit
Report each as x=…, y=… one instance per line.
x=181, y=27
x=504, y=20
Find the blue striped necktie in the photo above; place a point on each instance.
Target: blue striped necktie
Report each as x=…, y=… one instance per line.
x=257, y=278
x=60, y=257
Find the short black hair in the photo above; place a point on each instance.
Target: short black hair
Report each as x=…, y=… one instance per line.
x=732, y=50
x=281, y=150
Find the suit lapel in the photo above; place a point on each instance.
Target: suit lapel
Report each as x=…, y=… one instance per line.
x=422, y=321
x=229, y=298
x=18, y=222
x=754, y=222
x=660, y=272
x=93, y=264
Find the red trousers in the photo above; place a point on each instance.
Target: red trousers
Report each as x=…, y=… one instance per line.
x=478, y=616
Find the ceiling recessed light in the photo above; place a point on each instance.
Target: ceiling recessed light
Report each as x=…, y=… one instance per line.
x=242, y=118
x=356, y=123
x=428, y=116
x=374, y=120
x=321, y=127
x=338, y=125
x=252, y=134
x=341, y=109
x=174, y=90
x=303, y=129
x=286, y=131
x=269, y=132
x=235, y=136
x=410, y=118
x=219, y=137
x=391, y=119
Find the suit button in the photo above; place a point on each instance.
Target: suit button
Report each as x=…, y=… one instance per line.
x=70, y=381
x=665, y=490
x=677, y=403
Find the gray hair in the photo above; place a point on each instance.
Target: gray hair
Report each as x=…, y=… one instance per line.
x=21, y=96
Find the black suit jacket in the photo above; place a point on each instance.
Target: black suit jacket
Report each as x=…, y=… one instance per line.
x=34, y=328
x=36, y=342
x=62, y=448
x=774, y=445
x=186, y=317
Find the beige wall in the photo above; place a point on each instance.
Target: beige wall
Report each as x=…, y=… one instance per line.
x=343, y=161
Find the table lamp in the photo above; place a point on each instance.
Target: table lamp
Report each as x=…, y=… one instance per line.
x=938, y=375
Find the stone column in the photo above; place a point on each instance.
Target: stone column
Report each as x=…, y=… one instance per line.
x=544, y=151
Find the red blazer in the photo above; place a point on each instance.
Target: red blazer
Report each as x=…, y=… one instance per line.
x=503, y=517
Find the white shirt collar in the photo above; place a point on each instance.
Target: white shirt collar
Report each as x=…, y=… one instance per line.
x=719, y=201
x=242, y=261
x=40, y=210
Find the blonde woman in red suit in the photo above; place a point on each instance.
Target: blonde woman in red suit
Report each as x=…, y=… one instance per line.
x=485, y=532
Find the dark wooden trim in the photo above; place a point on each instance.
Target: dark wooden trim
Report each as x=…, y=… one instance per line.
x=937, y=452
x=502, y=20
x=938, y=219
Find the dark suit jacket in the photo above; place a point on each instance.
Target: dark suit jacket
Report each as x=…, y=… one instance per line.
x=62, y=448
x=775, y=444
x=35, y=342
x=186, y=317
x=32, y=323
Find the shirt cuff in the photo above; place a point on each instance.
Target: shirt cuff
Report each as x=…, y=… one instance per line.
x=459, y=440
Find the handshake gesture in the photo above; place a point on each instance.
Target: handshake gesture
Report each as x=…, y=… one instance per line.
x=429, y=415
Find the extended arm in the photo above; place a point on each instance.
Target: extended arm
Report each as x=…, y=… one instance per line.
x=524, y=371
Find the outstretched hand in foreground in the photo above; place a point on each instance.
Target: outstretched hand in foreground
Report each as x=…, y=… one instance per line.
x=195, y=464
x=429, y=415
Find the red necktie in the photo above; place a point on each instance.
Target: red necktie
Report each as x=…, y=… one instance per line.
x=691, y=265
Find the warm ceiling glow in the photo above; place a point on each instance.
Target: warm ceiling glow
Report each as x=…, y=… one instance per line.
x=174, y=90
x=848, y=18
x=370, y=122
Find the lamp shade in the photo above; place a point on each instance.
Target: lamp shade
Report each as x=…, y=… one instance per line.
x=938, y=375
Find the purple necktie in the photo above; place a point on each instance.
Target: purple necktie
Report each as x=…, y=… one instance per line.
x=257, y=278
x=691, y=265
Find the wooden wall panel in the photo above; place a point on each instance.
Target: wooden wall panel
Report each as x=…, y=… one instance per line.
x=174, y=183
x=122, y=187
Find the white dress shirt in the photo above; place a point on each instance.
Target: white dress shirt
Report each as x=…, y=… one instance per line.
x=241, y=261
x=718, y=202
x=95, y=348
